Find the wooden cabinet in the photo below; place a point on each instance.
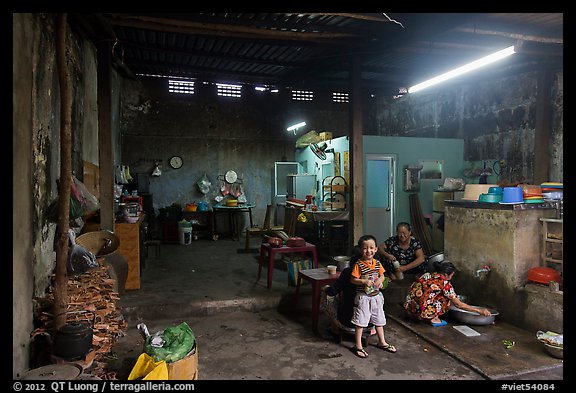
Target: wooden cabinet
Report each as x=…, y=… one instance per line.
x=130, y=248
x=552, y=242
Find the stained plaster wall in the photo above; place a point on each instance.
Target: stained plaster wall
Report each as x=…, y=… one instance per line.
x=213, y=135
x=494, y=113
x=36, y=159
x=22, y=199
x=509, y=241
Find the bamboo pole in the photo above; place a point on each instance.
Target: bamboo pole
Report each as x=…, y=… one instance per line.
x=61, y=276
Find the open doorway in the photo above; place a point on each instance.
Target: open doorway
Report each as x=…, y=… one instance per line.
x=379, y=198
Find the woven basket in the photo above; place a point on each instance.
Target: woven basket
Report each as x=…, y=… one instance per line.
x=99, y=243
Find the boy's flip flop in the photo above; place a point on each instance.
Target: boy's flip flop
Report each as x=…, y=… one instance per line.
x=441, y=323
x=387, y=347
x=360, y=352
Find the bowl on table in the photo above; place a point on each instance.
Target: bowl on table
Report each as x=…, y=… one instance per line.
x=490, y=198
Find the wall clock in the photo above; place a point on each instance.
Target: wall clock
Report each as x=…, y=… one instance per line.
x=176, y=162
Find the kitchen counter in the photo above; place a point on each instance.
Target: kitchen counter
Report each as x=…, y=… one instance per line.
x=498, y=206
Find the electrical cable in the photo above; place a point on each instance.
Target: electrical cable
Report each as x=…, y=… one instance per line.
x=499, y=171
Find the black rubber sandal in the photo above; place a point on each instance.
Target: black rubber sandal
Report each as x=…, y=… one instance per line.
x=358, y=351
x=387, y=347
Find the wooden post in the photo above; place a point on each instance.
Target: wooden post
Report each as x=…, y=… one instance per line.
x=61, y=276
x=105, y=135
x=356, y=197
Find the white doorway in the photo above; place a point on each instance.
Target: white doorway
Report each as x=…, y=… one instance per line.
x=379, y=196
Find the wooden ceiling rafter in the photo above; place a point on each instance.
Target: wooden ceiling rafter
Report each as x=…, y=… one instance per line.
x=210, y=54
x=515, y=36
x=224, y=30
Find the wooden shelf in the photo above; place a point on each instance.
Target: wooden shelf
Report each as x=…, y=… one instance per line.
x=553, y=260
x=551, y=245
x=550, y=240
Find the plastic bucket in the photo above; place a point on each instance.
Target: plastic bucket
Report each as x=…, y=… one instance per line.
x=185, y=235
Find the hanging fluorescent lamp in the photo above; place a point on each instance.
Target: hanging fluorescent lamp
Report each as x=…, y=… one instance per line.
x=464, y=69
x=294, y=127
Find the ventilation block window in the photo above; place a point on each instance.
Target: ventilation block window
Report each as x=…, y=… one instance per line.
x=180, y=86
x=302, y=95
x=224, y=90
x=340, y=97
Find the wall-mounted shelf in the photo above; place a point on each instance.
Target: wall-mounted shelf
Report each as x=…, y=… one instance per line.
x=552, y=242
x=334, y=190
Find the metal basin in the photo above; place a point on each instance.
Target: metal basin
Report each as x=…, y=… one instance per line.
x=557, y=352
x=472, y=318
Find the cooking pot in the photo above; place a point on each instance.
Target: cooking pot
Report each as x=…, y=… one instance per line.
x=73, y=340
x=543, y=275
x=438, y=257
x=342, y=262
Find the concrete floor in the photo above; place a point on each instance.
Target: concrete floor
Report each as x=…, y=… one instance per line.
x=246, y=331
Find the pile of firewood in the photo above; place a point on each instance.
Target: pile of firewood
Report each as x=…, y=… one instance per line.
x=92, y=298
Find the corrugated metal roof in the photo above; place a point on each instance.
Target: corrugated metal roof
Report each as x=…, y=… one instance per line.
x=316, y=49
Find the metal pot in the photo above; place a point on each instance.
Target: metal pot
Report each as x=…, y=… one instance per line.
x=438, y=257
x=472, y=318
x=73, y=340
x=342, y=262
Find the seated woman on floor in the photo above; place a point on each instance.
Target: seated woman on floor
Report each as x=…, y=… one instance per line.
x=430, y=296
x=404, y=248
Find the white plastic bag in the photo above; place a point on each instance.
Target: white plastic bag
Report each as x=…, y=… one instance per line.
x=80, y=260
x=204, y=184
x=157, y=172
x=88, y=201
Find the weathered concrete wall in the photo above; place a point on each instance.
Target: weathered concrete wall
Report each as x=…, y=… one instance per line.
x=36, y=158
x=495, y=115
x=22, y=197
x=509, y=241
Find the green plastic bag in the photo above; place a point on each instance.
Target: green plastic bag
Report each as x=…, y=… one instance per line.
x=178, y=342
x=75, y=211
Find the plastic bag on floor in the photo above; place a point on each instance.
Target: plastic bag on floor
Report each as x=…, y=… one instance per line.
x=171, y=344
x=80, y=260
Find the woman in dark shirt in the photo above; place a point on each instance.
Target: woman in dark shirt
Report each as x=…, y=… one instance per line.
x=404, y=248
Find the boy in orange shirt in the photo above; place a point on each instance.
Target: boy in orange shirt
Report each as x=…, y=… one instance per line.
x=368, y=276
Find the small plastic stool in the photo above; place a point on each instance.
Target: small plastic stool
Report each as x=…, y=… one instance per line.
x=154, y=243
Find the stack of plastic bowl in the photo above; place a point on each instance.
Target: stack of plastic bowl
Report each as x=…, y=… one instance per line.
x=473, y=191
x=553, y=191
x=512, y=196
x=494, y=195
x=532, y=193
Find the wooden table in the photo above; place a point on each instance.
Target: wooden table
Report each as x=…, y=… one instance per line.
x=318, y=278
x=233, y=212
x=265, y=248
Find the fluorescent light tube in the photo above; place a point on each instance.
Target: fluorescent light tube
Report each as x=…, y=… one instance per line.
x=462, y=70
x=296, y=126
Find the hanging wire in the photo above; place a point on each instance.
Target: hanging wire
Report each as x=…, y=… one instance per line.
x=497, y=164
